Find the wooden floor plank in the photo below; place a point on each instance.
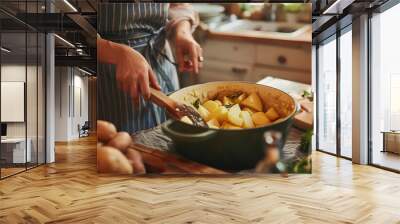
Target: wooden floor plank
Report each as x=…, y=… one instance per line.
x=71, y=191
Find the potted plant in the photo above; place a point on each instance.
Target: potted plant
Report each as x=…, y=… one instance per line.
x=292, y=10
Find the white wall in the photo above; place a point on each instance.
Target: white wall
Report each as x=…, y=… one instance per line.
x=61, y=104
x=33, y=127
x=71, y=93
x=16, y=73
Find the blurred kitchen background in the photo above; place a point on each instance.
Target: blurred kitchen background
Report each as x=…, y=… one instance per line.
x=250, y=41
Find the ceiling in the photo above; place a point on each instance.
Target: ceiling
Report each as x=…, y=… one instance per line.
x=332, y=15
x=22, y=20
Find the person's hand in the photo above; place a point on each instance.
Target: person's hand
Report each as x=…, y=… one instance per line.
x=188, y=52
x=134, y=75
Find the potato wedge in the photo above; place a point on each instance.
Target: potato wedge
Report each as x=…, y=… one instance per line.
x=186, y=119
x=272, y=114
x=253, y=101
x=251, y=111
x=260, y=119
x=240, y=98
x=213, y=123
x=111, y=160
x=211, y=106
x=234, y=115
x=204, y=113
x=219, y=102
x=227, y=101
x=221, y=114
x=227, y=125
x=247, y=120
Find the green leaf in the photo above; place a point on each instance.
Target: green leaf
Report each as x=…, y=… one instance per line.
x=196, y=103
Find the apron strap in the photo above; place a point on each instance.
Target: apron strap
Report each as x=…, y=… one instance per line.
x=153, y=50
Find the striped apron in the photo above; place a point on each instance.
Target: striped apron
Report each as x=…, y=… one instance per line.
x=140, y=26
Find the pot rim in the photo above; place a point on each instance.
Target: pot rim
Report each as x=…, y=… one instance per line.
x=279, y=121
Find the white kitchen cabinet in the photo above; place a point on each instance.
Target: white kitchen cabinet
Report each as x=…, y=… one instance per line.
x=232, y=51
x=284, y=57
x=241, y=60
x=219, y=70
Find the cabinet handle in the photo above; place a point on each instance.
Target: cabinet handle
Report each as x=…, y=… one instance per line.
x=239, y=71
x=282, y=60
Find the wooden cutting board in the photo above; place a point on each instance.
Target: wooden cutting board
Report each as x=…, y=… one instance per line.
x=162, y=162
x=304, y=119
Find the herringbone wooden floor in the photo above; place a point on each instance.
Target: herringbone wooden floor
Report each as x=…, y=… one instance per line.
x=70, y=191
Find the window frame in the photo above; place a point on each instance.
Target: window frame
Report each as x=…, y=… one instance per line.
x=333, y=37
x=378, y=10
x=31, y=30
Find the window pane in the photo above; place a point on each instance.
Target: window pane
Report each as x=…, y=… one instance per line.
x=385, y=87
x=327, y=97
x=15, y=150
x=346, y=94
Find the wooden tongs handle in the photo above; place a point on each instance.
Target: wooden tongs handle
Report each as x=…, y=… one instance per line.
x=163, y=100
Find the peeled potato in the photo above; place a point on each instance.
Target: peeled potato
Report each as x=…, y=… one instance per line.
x=111, y=160
x=213, y=123
x=120, y=141
x=234, y=115
x=253, y=101
x=227, y=125
x=240, y=98
x=211, y=106
x=105, y=131
x=186, y=119
x=272, y=114
x=227, y=101
x=204, y=113
x=260, y=119
x=136, y=161
x=221, y=114
x=247, y=120
x=251, y=111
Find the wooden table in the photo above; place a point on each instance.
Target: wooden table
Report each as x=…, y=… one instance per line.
x=391, y=141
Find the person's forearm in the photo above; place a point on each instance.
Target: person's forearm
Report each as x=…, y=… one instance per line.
x=108, y=51
x=183, y=28
x=179, y=13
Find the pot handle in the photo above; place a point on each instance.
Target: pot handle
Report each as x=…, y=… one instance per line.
x=188, y=137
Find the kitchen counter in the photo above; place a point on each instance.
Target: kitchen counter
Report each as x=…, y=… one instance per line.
x=303, y=38
x=238, y=54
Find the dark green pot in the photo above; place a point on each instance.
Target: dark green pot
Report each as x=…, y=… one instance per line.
x=225, y=148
